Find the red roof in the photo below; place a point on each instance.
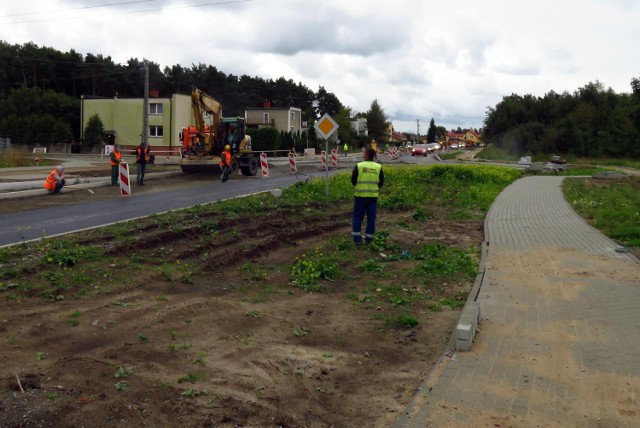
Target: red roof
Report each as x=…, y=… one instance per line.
x=398, y=136
x=454, y=135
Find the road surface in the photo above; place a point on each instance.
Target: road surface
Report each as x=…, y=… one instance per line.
x=29, y=225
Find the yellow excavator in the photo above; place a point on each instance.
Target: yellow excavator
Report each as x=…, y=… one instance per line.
x=202, y=144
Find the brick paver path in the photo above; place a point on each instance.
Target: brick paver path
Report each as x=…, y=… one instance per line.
x=559, y=341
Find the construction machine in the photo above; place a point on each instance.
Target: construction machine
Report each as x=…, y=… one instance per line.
x=203, y=143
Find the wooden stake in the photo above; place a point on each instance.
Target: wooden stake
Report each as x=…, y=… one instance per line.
x=19, y=384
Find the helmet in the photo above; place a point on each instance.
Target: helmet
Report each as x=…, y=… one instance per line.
x=227, y=147
x=59, y=168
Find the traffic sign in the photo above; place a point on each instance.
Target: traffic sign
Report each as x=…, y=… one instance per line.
x=326, y=126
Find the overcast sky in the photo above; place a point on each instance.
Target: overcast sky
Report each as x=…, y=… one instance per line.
x=421, y=59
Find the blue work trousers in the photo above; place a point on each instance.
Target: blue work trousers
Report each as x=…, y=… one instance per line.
x=362, y=206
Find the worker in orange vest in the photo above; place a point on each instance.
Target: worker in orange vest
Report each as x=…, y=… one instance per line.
x=225, y=163
x=115, y=157
x=142, y=159
x=55, y=181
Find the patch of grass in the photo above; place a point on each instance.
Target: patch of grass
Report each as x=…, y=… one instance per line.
x=253, y=314
x=40, y=356
x=308, y=270
x=190, y=377
x=441, y=260
x=51, y=396
x=123, y=371
x=612, y=206
x=582, y=170
x=450, y=155
x=404, y=320
x=371, y=266
x=73, y=320
x=142, y=338
x=122, y=386
x=300, y=331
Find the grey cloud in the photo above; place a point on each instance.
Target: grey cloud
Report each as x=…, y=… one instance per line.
x=518, y=69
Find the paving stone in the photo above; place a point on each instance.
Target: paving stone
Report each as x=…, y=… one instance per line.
x=558, y=342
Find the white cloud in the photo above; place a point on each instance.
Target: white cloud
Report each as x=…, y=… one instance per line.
x=447, y=60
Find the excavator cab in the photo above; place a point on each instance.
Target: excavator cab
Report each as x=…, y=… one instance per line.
x=232, y=130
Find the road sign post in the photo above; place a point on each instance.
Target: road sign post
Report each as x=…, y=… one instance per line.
x=326, y=127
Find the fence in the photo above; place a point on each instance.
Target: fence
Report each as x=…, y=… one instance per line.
x=5, y=143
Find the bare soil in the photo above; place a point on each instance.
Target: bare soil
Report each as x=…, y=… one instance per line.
x=210, y=332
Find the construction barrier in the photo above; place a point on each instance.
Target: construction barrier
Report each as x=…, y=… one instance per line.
x=264, y=164
x=125, y=187
x=292, y=162
x=334, y=158
x=324, y=160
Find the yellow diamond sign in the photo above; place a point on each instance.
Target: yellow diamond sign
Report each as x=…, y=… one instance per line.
x=326, y=126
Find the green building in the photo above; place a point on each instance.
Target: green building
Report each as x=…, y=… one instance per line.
x=122, y=119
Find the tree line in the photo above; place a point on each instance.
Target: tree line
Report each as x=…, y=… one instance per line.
x=40, y=89
x=591, y=122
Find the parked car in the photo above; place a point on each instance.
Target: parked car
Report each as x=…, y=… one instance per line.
x=454, y=146
x=420, y=150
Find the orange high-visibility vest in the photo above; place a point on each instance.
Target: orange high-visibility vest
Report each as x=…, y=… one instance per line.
x=50, y=182
x=225, y=159
x=118, y=157
x=140, y=152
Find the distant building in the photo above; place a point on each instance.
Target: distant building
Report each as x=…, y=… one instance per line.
x=284, y=119
x=359, y=126
x=123, y=117
x=398, y=137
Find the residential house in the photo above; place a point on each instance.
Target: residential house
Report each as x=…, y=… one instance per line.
x=359, y=126
x=472, y=135
x=122, y=119
x=284, y=119
x=398, y=137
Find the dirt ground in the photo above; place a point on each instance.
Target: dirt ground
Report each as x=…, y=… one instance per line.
x=180, y=326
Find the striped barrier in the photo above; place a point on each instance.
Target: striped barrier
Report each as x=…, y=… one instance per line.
x=324, y=160
x=334, y=158
x=264, y=164
x=292, y=163
x=125, y=187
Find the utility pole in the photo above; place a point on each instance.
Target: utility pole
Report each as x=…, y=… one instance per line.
x=417, y=131
x=145, y=114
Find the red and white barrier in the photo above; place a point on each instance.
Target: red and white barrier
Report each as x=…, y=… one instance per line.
x=264, y=164
x=292, y=163
x=393, y=153
x=324, y=160
x=125, y=187
x=334, y=158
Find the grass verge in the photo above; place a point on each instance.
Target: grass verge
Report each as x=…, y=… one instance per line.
x=612, y=206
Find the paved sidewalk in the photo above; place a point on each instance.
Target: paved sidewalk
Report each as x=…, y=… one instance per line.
x=559, y=341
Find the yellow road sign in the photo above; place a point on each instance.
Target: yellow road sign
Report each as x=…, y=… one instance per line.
x=326, y=126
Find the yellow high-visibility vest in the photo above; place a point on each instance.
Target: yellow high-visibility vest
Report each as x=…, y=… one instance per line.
x=368, y=179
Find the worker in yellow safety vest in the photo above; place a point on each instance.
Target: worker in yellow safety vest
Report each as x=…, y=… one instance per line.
x=368, y=178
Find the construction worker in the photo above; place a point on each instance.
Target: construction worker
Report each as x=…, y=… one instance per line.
x=55, y=181
x=142, y=159
x=368, y=178
x=225, y=163
x=115, y=157
x=346, y=149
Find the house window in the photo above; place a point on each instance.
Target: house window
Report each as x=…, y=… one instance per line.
x=155, y=108
x=293, y=117
x=155, y=131
x=265, y=118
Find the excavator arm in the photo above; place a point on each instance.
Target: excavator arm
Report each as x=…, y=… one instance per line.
x=201, y=103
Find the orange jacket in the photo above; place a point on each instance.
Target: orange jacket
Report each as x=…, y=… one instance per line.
x=51, y=181
x=225, y=159
x=142, y=154
x=115, y=157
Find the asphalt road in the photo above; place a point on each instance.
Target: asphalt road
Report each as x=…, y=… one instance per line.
x=29, y=225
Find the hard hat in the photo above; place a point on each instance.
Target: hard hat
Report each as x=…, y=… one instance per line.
x=59, y=168
x=227, y=147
